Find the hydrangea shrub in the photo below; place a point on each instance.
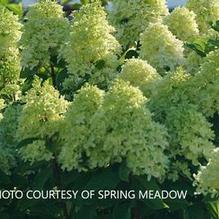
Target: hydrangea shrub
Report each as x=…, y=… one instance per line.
x=118, y=97
x=9, y=54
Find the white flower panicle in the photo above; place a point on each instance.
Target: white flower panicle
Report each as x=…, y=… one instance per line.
x=181, y=22
x=91, y=45
x=8, y=141
x=207, y=178
x=36, y=151
x=9, y=29
x=111, y=128
x=140, y=74
x=205, y=85
x=190, y=134
x=132, y=17
x=76, y=127
x=40, y=120
x=193, y=62
x=9, y=55
x=44, y=33
x=161, y=48
x=206, y=12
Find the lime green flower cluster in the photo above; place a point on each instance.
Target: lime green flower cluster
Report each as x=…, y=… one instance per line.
x=8, y=125
x=200, y=90
x=205, y=95
x=104, y=129
x=36, y=151
x=9, y=29
x=2, y=104
x=132, y=17
x=190, y=132
x=8, y=141
x=206, y=85
x=207, y=178
x=76, y=127
x=173, y=89
x=44, y=33
x=140, y=74
x=91, y=46
x=10, y=72
x=206, y=11
x=6, y=160
x=40, y=120
x=181, y=22
x=161, y=48
x=9, y=54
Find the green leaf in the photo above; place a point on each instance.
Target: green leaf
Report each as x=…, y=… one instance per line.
x=46, y=208
x=3, y=2
x=75, y=180
x=122, y=211
x=4, y=216
x=215, y=26
x=214, y=209
x=84, y=2
x=142, y=183
x=200, y=46
x=16, y=9
x=26, y=142
x=42, y=177
x=85, y=213
x=131, y=53
x=103, y=179
x=76, y=6
x=100, y=64
x=4, y=179
x=198, y=210
x=124, y=172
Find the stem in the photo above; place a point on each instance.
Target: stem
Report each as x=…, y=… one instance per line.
x=56, y=172
x=136, y=214
x=53, y=75
x=58, y=179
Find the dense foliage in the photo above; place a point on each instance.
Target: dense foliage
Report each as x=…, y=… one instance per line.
x=117, y=97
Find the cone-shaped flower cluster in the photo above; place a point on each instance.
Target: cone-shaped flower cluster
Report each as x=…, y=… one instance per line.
x=44, y=33
x=206, y=12
x=161, y=48
x=39, y=121
x=107, y=129
x=181, y=22
x=9, y=54
x=8, y=141
x=190, y=133
x=91, y=47
x=206, y=85
x=140, y=74
x=132, y=17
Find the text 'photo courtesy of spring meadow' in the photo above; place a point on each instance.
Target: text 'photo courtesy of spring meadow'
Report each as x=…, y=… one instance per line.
x=109, y=109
